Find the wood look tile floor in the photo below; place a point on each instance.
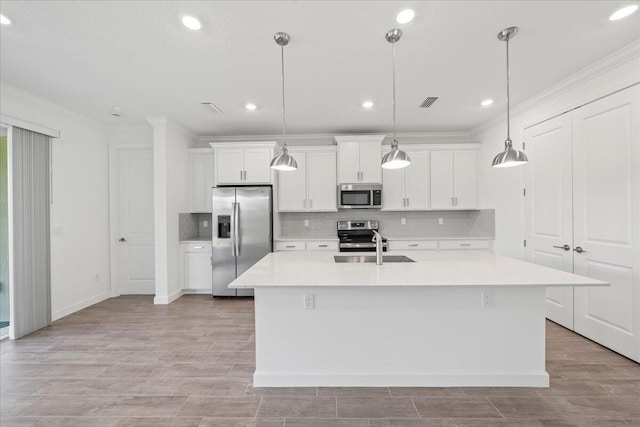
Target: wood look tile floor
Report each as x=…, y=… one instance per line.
x=127, y=362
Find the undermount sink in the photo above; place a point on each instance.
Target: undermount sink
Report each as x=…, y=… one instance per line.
x=371, y=258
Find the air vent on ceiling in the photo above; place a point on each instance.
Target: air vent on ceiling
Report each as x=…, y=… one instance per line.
x=428, y=102
x=213, y=106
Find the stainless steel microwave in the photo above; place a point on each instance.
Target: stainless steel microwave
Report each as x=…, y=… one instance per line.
x=359, y=196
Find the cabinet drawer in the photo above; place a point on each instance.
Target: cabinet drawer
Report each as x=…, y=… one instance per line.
x=290, y=246
x=465, y=244
x=395, y=245
x=198, y=247
x=318, y=245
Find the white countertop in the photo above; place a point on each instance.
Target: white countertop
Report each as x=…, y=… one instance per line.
x=431, y=268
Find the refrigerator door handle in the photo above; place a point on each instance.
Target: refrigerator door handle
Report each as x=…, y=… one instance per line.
x=236, y=239
x=233, y=229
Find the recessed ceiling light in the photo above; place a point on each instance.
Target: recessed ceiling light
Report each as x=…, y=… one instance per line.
x=4, y=20
x=623, y=12
x=367, y=104
x=250, y=106
x=486, y=102
x=191, y=22
x=405, y=16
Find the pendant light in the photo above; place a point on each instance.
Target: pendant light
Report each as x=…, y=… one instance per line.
x=283, y=161
x=510, y=156
x=394, y=159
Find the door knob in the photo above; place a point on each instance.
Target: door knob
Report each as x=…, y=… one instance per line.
x=579, y=250
x=565, y=247
x=122, y=239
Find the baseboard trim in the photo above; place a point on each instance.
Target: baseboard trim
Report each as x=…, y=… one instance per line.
x=168, y=299
x=58, y=314
x=196, y=291
x=298, y=379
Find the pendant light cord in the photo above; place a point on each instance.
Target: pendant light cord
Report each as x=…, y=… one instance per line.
x=284, y=142
x=508, y=97
x=393, y=56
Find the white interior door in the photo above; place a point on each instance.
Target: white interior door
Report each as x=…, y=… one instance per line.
x=548, y=224
x=134, y=229
x=606, y=158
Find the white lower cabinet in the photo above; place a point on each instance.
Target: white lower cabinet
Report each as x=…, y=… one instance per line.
x=422, y=245
x=448, y=244
x=306, y=245
x=197, y=270
x=464, y=244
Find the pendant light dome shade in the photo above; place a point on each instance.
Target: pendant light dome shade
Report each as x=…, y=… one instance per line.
x=396, y=158
x=510, y=156
x=283, y=161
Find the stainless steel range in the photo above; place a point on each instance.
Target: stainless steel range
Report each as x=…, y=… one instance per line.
x=356, y=236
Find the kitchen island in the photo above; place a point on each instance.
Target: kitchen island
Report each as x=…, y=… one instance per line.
x=451, y=318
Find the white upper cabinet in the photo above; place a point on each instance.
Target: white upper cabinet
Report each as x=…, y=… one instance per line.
x=243, y=163
x=359, y=159
x=313, y=186
x=453, y=180
x=202, y=178
x=407, y=188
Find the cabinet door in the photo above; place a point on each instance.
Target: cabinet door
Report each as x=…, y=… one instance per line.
x=393, y=195
x=202, y=179
x=464, y=179
x=370, y=158
x=257, y=166
x=229, y=166
x=198, y=270
x=321, y=181
x=606, y=206
x=441, y=179
x=416, y=181
x=292, y=186
x=348, y=162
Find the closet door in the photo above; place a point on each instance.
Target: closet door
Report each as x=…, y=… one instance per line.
x=606, y=159
x=548, y=223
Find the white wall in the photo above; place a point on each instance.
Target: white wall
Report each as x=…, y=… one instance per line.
x=501, y=188
x=170, y=163
x=80, y=210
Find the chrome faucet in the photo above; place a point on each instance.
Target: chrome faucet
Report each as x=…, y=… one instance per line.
x=377, y=238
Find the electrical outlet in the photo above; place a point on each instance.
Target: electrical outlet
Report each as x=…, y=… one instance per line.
x=487, y=299
x=403, y=221
x=96, y=278
x=309, y=301
x=306, y=222
x=440, y=221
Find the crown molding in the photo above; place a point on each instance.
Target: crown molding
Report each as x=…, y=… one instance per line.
x=598, y=68
x=9, y=91
x=170, y=124
x=328, y=139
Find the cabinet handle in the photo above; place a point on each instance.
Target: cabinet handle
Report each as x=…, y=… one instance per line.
x=290, y=246
x=322, y=246
x=465, y=244
x=413, y=245
x=565, y=247
x=245, y=175
x=241, y=175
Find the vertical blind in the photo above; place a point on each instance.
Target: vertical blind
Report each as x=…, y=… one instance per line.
x=31, y=256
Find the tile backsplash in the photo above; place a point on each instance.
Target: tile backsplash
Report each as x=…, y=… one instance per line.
x=192, y=226
x=472, y=223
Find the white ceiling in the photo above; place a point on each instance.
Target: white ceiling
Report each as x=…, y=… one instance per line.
x=90, y=56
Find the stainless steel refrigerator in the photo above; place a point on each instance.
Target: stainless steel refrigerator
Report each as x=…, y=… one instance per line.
x=242, y=234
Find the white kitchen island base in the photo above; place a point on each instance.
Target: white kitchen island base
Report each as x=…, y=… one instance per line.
x=400, y=336
x=422, y=323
